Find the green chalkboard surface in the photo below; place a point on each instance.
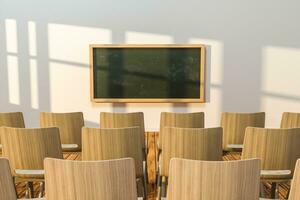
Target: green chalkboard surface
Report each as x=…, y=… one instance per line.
x=139, y=73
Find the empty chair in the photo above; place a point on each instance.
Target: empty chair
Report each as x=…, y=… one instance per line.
x=12, y=119
x=290, y=120
x=189, y=143
x=69, y=125
x=213, y=180
x=123, y=120
x=295, y=186
x=93, y=180
x=278, y=150
x=105, y=144
x=180, y=120
x=26, y=150
x=234, y=125
x=7, y=187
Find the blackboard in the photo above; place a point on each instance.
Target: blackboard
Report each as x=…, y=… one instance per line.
x=147, y=73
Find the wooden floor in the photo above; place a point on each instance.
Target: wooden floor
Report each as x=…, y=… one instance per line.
x=152, y=136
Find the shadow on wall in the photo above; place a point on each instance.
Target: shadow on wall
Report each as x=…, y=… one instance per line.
x=29, y=47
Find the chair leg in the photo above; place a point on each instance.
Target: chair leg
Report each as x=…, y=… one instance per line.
x=144, y=187
x=158, y=187
x=29, y=190
x=14, y=181
x=164, y=187
x=274, y=190
x=42, y=189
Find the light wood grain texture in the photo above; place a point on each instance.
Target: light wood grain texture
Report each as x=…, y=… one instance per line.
x=27, y=148
x=190, y=143
x=7, y=188
x=123, y=120
x=93, y=180
x=213, y=180
x=151, y=156
x=290, y=120
x=12, y=119
x=278, y=149
x=150, y=100
x=105, y=144
x=180, y=120
x=295, y=186
x=234, y=125
x=69, y=125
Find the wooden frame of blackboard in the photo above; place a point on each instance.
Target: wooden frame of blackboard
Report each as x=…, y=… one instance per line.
x=150, y=100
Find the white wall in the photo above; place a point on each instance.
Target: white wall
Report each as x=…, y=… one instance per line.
x=253, y=53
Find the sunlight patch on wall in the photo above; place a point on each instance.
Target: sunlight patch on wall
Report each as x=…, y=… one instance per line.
x=280, y=81
x=69, y=87
x=281, y=68
x=34, y=83
x=71, y=43
x=132, y=37
x=13, y=80
x=32, y=38
x=11, y=36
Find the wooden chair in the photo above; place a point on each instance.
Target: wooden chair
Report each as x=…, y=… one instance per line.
x=115, y=143
x=189, y=143
x=295, y=189
x=93, y=180
x=12, y=119
x=26, y=150
x=69, y=125
x=180, y=120
x=278, y=150
x=234, y=125
x=290, y=120
x=7, y=187
x=295, y=186
x=123, y=120
x=213, y=180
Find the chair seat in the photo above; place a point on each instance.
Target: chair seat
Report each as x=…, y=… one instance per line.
x=29, y=174
x=69, y=146
x=276, y=174
x=235, y=146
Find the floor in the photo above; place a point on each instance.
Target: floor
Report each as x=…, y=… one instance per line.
x=152, y=136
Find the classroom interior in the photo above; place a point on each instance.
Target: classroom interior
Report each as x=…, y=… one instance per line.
x=127, y=100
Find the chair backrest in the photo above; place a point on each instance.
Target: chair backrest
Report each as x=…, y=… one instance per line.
x=290, y=120
x=190, y=143
x=114, y=143
x=27, y=148
x=278, y=149
x=12, y=119
x=212, y=180
x=69, y=124
x=234, y=125
x=123, y=120
x=295, y=185
x=92, y=180
x=180, y=120
x=7, y=188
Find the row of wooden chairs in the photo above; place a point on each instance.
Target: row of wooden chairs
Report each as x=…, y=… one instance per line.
x=70, y=124
x=115, y=180
x=27, y=148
